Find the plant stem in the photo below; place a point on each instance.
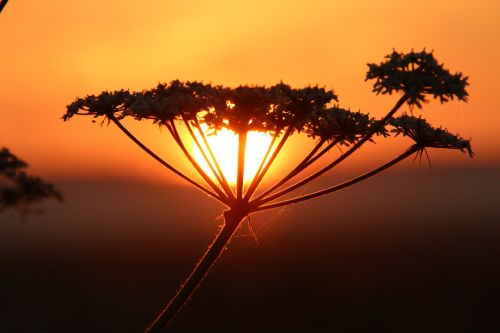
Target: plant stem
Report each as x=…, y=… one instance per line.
x=309, y=156
x=214, y=159
x=356, y=146
x=173, y=131
x=253, y=185
x=412, y=150
x=259, y=177
x=321, y=153
x=242, y=143
x=224, y=185
x=232, y=221
x=2, y=4
x=308, y=160
x=162, y=162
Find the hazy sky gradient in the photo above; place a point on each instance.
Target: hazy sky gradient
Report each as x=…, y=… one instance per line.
x=54, y=51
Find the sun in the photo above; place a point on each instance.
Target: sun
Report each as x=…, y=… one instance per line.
x=224, y=144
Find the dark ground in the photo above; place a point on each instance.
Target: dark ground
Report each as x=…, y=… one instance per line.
x=418, y=253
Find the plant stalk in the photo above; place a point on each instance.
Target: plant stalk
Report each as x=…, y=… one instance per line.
x=261, y=175
x=307, y=161
x=356, y=146
x=162, y=162
x=412, y=150
x=254, y=184
x=2, y=4
x=232, y=220
x=222, y=182
x=175, y=134
x=214, y=159
x=242, y=143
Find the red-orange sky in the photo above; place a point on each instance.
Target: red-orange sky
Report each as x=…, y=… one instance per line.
x=54, y=51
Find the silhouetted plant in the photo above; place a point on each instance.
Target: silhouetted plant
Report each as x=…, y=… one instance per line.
x=281, y=111
x=2, y=4
x=20, y=190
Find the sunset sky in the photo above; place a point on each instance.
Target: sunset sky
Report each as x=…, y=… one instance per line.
x=412, y=250
x=55, y=51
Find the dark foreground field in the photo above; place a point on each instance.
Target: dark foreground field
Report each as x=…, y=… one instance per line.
x=420, y=253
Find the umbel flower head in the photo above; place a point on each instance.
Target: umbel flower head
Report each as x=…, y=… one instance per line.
x=281, y=111
x=22, y=190
x=416, y=74
x=342, y=126
x=240, y=109
x=426, y=136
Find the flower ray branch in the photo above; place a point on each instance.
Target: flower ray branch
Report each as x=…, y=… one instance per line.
x=254, y=184
x=163, y=162
x=412, y=150
x=345, y=155
x=214, y=159
x=173, y=131
x=276, y=152
x=417, y=129
x=242, y=143
x=224, y=185
x=304, y=164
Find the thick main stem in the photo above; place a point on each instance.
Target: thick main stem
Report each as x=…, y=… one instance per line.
x=232, y=221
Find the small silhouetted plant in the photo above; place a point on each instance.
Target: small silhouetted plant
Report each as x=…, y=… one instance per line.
x=2, y=4
x=281, y=111
x=18, y=190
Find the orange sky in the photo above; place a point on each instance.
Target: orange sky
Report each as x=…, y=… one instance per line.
x=54, y=51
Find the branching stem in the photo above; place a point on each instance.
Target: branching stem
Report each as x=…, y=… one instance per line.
x=306, y=162
x=348, y=153
x=259, y=177
x=412, y=150
x=214, y=159
x=162, y=162
x=253, y=184
x=224, y=185
x=173, y=130
x=242, y=143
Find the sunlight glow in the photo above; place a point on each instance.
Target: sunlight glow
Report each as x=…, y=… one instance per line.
x=224, y=145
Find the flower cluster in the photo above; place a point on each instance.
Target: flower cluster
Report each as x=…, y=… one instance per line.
x=26, y=189
x=160, y=104
x=298, y=106
x=341, y=125
x=279, y=107
x=240, y=109
x=105, y=104
x=416, y=74
x=425, y=135
x=247, y=108
x=173, y=101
